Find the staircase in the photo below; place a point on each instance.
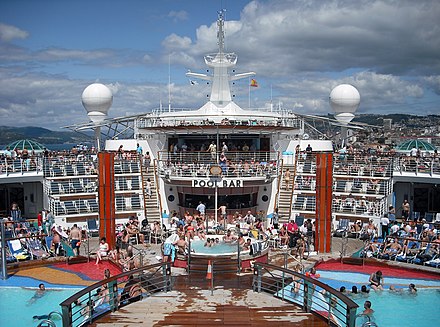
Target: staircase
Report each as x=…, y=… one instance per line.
x=151, y=205
x=285, y=197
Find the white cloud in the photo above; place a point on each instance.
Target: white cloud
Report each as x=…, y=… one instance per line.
x=433, y=82
x=9, y=33
x=180, y=15
x=387, y=49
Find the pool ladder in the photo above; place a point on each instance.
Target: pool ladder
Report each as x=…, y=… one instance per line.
x=48, y=322
x=369, y=324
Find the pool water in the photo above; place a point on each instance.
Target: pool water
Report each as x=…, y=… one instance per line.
x=393, y=309
x=403, y=309
x=16, y=311
x=218, y=248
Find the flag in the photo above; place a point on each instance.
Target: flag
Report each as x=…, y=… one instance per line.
x=193, y=82
x=254, y=83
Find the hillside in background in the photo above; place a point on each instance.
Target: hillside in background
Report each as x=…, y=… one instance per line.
x=42, y=135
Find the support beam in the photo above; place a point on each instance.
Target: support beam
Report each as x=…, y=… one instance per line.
x=106, y=197
x=324, y=196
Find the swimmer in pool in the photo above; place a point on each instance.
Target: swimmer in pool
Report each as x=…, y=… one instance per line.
x=38, y=294
x=412, y=289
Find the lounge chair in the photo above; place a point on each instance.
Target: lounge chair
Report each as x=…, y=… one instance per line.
x=36, y=249
x=92, y=227
x=17, y=250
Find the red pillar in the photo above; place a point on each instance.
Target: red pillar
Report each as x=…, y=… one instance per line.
x=324, y=196
x=106, y=197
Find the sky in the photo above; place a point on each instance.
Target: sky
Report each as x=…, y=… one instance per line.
x=51, y=50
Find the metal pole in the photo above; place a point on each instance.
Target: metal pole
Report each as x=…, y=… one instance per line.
x=3, y=244
x=216, y=188
x=216, y=204
x=238, y=257
x=212, y=279
x=189, y=254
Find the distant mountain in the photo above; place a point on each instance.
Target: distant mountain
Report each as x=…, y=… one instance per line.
x=45, y=136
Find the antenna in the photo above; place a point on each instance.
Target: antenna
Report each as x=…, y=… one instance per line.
x=169, y=83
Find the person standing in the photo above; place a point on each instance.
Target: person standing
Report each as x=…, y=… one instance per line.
x=224, y=148
x=275, y=219
x=391, y=214
x=287, y=179
x=139, y=150
x=147, y=161
x=40, y=221
x=213, y=150
x=148, y=188
x=50, y=220
x=223, y=213
x=15, y=212
x=405, y=209
x=384, y=222
x=75, y=239
x=201, y=208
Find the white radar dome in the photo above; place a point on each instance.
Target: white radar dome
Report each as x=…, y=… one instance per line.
x=344, y=98
x=97, y=100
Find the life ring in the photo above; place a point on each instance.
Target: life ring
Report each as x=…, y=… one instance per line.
x=308, y=274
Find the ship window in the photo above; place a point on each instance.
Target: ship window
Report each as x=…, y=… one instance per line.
x=264, y=198
x=171, y=198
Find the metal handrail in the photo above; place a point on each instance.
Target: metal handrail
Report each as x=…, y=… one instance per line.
x=300, y=289
x=47, y=322
x=21, y=166
x=80, y=308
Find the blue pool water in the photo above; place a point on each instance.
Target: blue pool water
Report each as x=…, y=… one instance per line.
x=393, y=309
x=404, y=310
x=219, y=248
x=17, y=312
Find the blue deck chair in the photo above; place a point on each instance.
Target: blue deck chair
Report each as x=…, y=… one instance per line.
x=92, y=227
x=36, y=249
x=17, y=250
x=68, y=251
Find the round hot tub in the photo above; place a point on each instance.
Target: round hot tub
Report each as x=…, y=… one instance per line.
x=221, y=250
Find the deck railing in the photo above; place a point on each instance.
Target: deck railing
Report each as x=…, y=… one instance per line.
x=237, y=164
x=310, y=294
x=112, y=293
x=10, y=166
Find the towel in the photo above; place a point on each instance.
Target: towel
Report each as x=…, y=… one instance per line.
x=169, y=250
x=256, y=248
x=16, y=245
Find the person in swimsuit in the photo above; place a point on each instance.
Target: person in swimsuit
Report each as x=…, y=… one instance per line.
x=376, y=280
x=103, y=250
x=38, y=294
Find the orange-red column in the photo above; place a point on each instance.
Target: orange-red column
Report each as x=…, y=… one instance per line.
x=324, y=192
x=106, y=197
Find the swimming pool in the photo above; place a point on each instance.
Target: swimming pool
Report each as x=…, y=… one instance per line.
x=393, y=309
x=220, y=248
x=16, y=311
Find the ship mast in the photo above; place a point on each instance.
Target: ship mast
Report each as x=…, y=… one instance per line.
x=220, y=62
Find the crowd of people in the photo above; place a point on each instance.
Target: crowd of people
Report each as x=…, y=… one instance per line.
x=410, y=241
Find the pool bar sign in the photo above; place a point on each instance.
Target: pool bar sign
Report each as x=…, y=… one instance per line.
x=217, y=182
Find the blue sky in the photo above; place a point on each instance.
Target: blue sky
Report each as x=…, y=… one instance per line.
x=300, y=49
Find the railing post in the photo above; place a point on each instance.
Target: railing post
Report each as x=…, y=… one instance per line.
x=66, y=315
x=351, y=317
x=258, y=278
x=3, y=244
x=188, y=263
x=308, y=293
x=212, y=279
x=238, y=258
x=165, y=275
